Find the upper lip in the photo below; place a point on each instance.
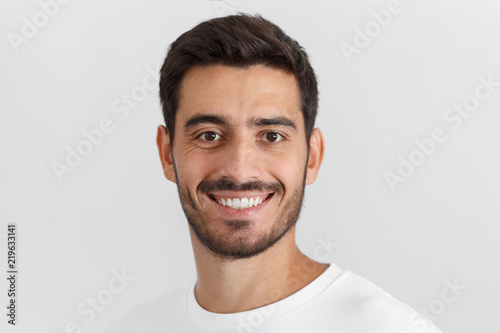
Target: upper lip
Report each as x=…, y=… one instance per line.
x=231, y=195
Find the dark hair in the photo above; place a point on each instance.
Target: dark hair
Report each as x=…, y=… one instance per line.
x=238, y=40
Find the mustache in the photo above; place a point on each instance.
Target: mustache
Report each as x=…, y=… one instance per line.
x=228, y=185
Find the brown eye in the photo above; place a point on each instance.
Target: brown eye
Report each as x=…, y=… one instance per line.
x=210, y=136
x=272, y=137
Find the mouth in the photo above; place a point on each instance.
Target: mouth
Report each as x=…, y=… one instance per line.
x=238, y=202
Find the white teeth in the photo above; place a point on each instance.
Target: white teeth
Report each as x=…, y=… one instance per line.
x=244, y=203
x=236, y=203
x=240, y=203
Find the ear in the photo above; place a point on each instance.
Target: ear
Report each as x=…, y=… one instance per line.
x=165, y=151
x=316, y=152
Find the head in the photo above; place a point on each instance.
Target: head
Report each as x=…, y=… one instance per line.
x=239, y=99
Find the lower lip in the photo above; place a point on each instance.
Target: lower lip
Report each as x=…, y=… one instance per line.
x=246, y=212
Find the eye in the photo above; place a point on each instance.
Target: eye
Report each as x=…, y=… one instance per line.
x=209, y=136
x=272, y=137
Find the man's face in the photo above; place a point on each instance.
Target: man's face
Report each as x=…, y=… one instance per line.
x=239, y=156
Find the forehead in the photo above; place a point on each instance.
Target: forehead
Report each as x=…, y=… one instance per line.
x=239, y=93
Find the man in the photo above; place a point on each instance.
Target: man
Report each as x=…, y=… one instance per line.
x=239, y=99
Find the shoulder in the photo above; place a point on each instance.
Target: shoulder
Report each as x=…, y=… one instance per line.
x=376, y=310
x=155, y=313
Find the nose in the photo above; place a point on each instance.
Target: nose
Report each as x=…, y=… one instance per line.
x=240, y=160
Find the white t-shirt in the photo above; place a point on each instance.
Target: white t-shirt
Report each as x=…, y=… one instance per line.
x=336, y=301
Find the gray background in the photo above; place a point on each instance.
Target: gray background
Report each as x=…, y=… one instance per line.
x=116, y=211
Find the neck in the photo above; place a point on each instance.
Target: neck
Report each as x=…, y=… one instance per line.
x=229, y=286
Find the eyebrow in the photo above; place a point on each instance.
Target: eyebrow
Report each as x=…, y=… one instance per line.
x=205, y=119
x=281, y=121
x=253, y=122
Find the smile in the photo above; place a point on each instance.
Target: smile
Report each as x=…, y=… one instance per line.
x=241, y=203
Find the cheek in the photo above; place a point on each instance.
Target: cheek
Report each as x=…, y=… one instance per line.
x=194, y=167
x=287, y=169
